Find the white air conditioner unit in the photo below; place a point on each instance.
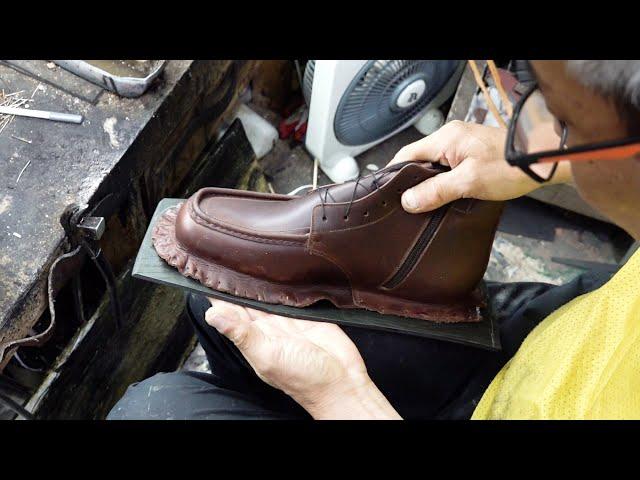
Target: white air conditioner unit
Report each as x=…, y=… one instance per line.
x=356, y=104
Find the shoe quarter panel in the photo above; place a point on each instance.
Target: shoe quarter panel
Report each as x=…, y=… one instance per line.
x=370, y=243
x=454, y=261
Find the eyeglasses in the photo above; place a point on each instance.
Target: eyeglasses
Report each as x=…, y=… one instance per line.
x=528, y=133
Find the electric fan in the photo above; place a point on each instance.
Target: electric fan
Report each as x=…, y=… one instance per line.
x=356, y=104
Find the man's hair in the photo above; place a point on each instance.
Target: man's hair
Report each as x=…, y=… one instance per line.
x=618, y=80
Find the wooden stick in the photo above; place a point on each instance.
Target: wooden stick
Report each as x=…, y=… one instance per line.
x=7, y=95
x=485, y=92
x=34, y=91
x=21, y=139
x=498, y=81
x=22, y=171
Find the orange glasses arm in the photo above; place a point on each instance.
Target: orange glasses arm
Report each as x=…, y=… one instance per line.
x=609, y=153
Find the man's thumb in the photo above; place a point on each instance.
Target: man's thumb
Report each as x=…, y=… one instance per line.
x=432, y=193
x=230, y=323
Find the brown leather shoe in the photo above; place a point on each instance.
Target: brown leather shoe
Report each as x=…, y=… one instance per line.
x=352, y=244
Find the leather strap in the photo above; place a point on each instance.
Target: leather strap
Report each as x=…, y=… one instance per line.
x=40, y=338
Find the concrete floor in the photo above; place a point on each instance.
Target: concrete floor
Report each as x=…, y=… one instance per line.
x=530, y=232
x=197, y=361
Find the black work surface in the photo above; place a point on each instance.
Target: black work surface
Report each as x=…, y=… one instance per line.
x=149, y=266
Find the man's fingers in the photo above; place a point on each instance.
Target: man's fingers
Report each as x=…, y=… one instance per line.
x=426, y=149
x=433, y=192
x=436, y=147
x=230, y=320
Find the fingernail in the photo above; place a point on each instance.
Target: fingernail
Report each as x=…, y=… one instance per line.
x=409, y=200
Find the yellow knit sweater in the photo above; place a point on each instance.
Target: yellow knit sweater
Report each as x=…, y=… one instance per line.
x=583, y=361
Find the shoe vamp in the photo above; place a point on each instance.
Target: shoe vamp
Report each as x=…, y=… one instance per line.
x=261, y=216
x=283, y=216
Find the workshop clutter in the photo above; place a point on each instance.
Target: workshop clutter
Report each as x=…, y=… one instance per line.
x=274, y=98
x=260, y=133
x=295, y=125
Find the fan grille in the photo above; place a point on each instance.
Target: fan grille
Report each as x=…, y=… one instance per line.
x=307, y=81
x=367, y=112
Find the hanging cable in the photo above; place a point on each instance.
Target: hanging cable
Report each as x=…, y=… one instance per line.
x=15, y=407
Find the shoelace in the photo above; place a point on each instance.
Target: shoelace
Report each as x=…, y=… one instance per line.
x=397, y=167
x=327, y=193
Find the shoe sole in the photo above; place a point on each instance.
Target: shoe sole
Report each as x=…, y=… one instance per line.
x=220, y=278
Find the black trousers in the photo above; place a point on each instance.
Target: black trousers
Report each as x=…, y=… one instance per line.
x=422, y=378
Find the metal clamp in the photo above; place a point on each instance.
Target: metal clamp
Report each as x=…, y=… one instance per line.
x=92, y=227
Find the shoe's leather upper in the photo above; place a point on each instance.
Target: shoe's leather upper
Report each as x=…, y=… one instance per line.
x=354, y=234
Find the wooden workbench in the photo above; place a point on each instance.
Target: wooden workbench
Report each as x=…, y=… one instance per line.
x=123, y=144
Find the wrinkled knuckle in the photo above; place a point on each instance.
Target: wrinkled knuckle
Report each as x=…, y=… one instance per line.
x=455, y=125
x=238, y=337
x=467, y=188
x=223, y=327
x=458, y=127
x=438, y=193
x=441, y=156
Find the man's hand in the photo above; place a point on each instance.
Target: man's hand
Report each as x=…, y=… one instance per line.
x=475, y=154
x=315, y=363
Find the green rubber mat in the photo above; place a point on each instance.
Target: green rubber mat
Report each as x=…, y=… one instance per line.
x=148, y=266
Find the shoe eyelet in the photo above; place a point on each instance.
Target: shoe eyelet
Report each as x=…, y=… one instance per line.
x=366, y=214
x=345, y=218
x=384, y=203
x=324, y=219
